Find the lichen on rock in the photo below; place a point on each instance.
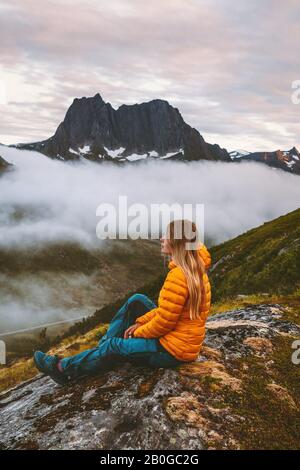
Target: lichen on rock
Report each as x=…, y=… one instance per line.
x=240, y=393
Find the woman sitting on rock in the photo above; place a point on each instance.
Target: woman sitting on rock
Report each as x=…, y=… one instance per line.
x=143, y=333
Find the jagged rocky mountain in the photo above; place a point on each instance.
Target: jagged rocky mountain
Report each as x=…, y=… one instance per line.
x=95, y=130
x=239, y=394
x=288, y=160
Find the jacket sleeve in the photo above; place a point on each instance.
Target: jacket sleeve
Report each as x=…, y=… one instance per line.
x=146, y=317
x=172, y=298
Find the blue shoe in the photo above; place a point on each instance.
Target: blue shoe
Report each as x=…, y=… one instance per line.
x=48, y=365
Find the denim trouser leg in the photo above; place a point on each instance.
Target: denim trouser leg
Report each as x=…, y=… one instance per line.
x=135, y=306
x=113, y=345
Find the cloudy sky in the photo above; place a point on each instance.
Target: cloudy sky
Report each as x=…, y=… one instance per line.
x=227, y=65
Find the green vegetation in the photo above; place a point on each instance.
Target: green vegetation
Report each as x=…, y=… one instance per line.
x=262, y=412
x=265, y=259
x=71, y=257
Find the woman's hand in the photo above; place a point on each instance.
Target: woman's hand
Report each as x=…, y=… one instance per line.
x=129, y=332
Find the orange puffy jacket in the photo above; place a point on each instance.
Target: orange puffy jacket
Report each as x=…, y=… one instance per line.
x=170, y=321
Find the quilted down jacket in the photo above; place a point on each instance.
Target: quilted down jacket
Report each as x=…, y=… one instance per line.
x=170, y=321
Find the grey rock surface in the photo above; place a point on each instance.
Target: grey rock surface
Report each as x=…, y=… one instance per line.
x=132, y=407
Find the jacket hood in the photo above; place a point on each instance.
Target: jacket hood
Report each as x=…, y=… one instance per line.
x=203, y=253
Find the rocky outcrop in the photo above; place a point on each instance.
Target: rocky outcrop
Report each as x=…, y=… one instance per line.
x=93, y=129
x=4, y=165
x=234, y=396
x=286, y=160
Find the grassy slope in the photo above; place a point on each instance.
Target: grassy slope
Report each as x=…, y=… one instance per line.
x=265, y=259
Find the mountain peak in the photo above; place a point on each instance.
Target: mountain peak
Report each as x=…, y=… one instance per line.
x=294, y=151
x=153, y=129
x=96, y=97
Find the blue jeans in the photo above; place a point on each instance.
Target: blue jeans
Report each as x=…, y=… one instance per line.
x=113, y=347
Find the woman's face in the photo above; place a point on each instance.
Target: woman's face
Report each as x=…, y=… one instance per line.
x=165, y=246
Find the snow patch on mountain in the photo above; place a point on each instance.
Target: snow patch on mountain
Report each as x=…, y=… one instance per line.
x=85, y=149
x=238, y=153
x=114, y=153
x=171, y=154
x=73, y=151
x=153, y=153
x=135, y=156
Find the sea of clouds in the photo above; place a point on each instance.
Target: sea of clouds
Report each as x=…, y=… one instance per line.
x=59, y=199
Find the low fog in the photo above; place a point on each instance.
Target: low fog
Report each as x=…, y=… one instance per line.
x=57, y=201
x=60, y=199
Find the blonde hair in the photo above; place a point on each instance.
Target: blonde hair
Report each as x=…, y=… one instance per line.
x=184, y=243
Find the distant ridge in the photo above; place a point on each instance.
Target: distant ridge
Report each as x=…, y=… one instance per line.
x=288, y=160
